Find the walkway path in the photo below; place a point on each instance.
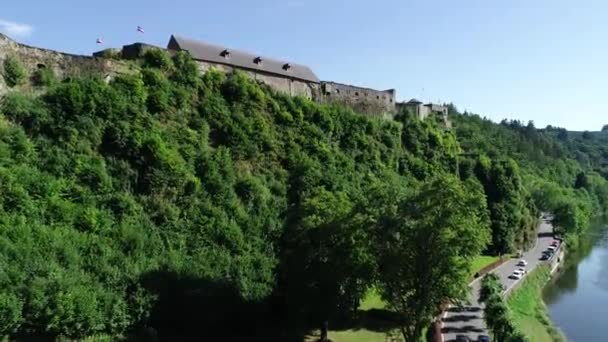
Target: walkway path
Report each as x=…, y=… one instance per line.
x=469, y=321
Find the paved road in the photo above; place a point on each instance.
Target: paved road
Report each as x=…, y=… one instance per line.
x=469, y=321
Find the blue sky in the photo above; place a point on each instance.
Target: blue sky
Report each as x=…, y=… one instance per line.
x=543, y=60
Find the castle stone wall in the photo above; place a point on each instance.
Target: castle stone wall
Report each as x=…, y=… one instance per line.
x=363, y=100
x=63, y=64
x=285, y=85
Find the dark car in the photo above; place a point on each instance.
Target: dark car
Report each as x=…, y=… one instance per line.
x=545, y=256
x=484, y=338
x=462, y=338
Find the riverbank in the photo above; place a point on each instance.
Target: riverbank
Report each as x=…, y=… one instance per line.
x=529, y=312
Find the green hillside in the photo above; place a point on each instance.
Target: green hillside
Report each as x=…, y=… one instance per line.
x=168, y=204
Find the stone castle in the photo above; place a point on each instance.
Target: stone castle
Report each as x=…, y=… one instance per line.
x=287, y=77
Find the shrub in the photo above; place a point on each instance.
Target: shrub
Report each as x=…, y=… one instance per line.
x=44, y=77
x=186, y=70
x=157, y=58
x=14, y=71
x=10, y=313
x=111, y=54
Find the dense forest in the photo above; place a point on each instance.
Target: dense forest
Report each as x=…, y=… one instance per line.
x=167, y=203
x=563, y=172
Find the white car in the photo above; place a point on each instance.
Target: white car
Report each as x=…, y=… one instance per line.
x=551, y=248
x=522, y=262
x=516, y=275
x=521, y=270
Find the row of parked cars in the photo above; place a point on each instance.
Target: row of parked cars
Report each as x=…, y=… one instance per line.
x=480, y=338
x=547, y=254
x=520, y=269
x=517, y=274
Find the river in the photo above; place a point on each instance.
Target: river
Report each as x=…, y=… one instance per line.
x=578, y=298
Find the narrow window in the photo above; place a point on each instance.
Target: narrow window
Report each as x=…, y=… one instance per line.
x=356, y=93
x=377, y=97
x=337, y=91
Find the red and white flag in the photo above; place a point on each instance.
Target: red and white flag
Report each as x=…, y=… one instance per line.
x=99, y=41
x=140, y=29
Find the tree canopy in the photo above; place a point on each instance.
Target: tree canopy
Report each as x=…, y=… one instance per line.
x=166, y=203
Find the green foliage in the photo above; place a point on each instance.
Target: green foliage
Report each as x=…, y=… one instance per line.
x=111, y=53
x=498, y=317
x=511, y=209
x=178, y=202
x=10, y=313
x=528, y=311
x=173, y=202
x=425, y=249
x=490, y=285
x=14, y=71
x=558, y=171
x=44, y=77
x=157, y=58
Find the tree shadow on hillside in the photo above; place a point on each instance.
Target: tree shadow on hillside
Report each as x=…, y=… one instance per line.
x=196, y=309
x=375, y=320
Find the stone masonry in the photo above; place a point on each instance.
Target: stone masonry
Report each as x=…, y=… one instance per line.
x=289, y=78
x=63, y=64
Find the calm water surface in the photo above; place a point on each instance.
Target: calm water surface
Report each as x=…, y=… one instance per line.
x=578, y=298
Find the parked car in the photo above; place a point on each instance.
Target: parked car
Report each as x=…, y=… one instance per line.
x=522, y=262
x=545, y=256
x=483, y=338
x=521, y=270
x=462, y=338
x=554, y=243
x=551, y=248
x=516, y=275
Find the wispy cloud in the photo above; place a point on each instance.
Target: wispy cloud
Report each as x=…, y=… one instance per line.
x=14, y=29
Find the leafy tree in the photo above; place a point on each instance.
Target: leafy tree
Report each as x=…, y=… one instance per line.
x=425, y=249
x=490, y=285
x=172, y=201
x=508, y=204
x=570, y=217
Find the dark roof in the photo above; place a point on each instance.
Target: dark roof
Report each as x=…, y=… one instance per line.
x=414, y=101
x=216, y=54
